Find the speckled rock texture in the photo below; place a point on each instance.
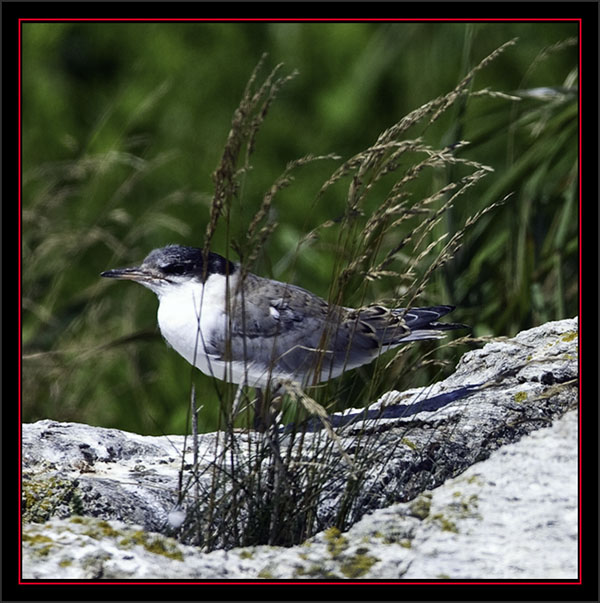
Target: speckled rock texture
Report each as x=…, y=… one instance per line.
x=477, y=486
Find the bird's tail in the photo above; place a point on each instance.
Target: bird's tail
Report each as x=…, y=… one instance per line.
x=423, y=324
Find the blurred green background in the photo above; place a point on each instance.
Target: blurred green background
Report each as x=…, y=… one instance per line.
x=124, y=124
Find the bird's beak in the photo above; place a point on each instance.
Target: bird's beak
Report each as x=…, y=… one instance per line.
x=136, y=273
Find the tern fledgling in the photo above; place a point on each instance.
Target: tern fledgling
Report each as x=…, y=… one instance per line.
x=261, y=332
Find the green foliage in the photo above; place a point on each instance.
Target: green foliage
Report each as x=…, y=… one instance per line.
x=125, y=124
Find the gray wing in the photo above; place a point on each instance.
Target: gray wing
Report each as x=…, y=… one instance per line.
x=296, y=332
x=299, y=334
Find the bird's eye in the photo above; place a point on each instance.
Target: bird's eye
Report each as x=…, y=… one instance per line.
x=174, y=269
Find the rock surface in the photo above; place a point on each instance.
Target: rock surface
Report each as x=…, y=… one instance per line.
x=511, y=516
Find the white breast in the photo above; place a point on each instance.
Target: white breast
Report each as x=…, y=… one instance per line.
x=187, y=316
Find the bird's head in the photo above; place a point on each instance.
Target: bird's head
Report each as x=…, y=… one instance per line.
x=173, y=266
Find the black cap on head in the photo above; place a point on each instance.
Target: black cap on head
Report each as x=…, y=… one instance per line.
x=177, y=259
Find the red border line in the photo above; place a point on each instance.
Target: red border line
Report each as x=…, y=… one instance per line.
x=580, y=476
x=19, y=181
x=271, y=20
x=298, y=20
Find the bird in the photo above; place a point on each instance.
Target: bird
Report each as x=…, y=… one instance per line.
x=245, y=329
